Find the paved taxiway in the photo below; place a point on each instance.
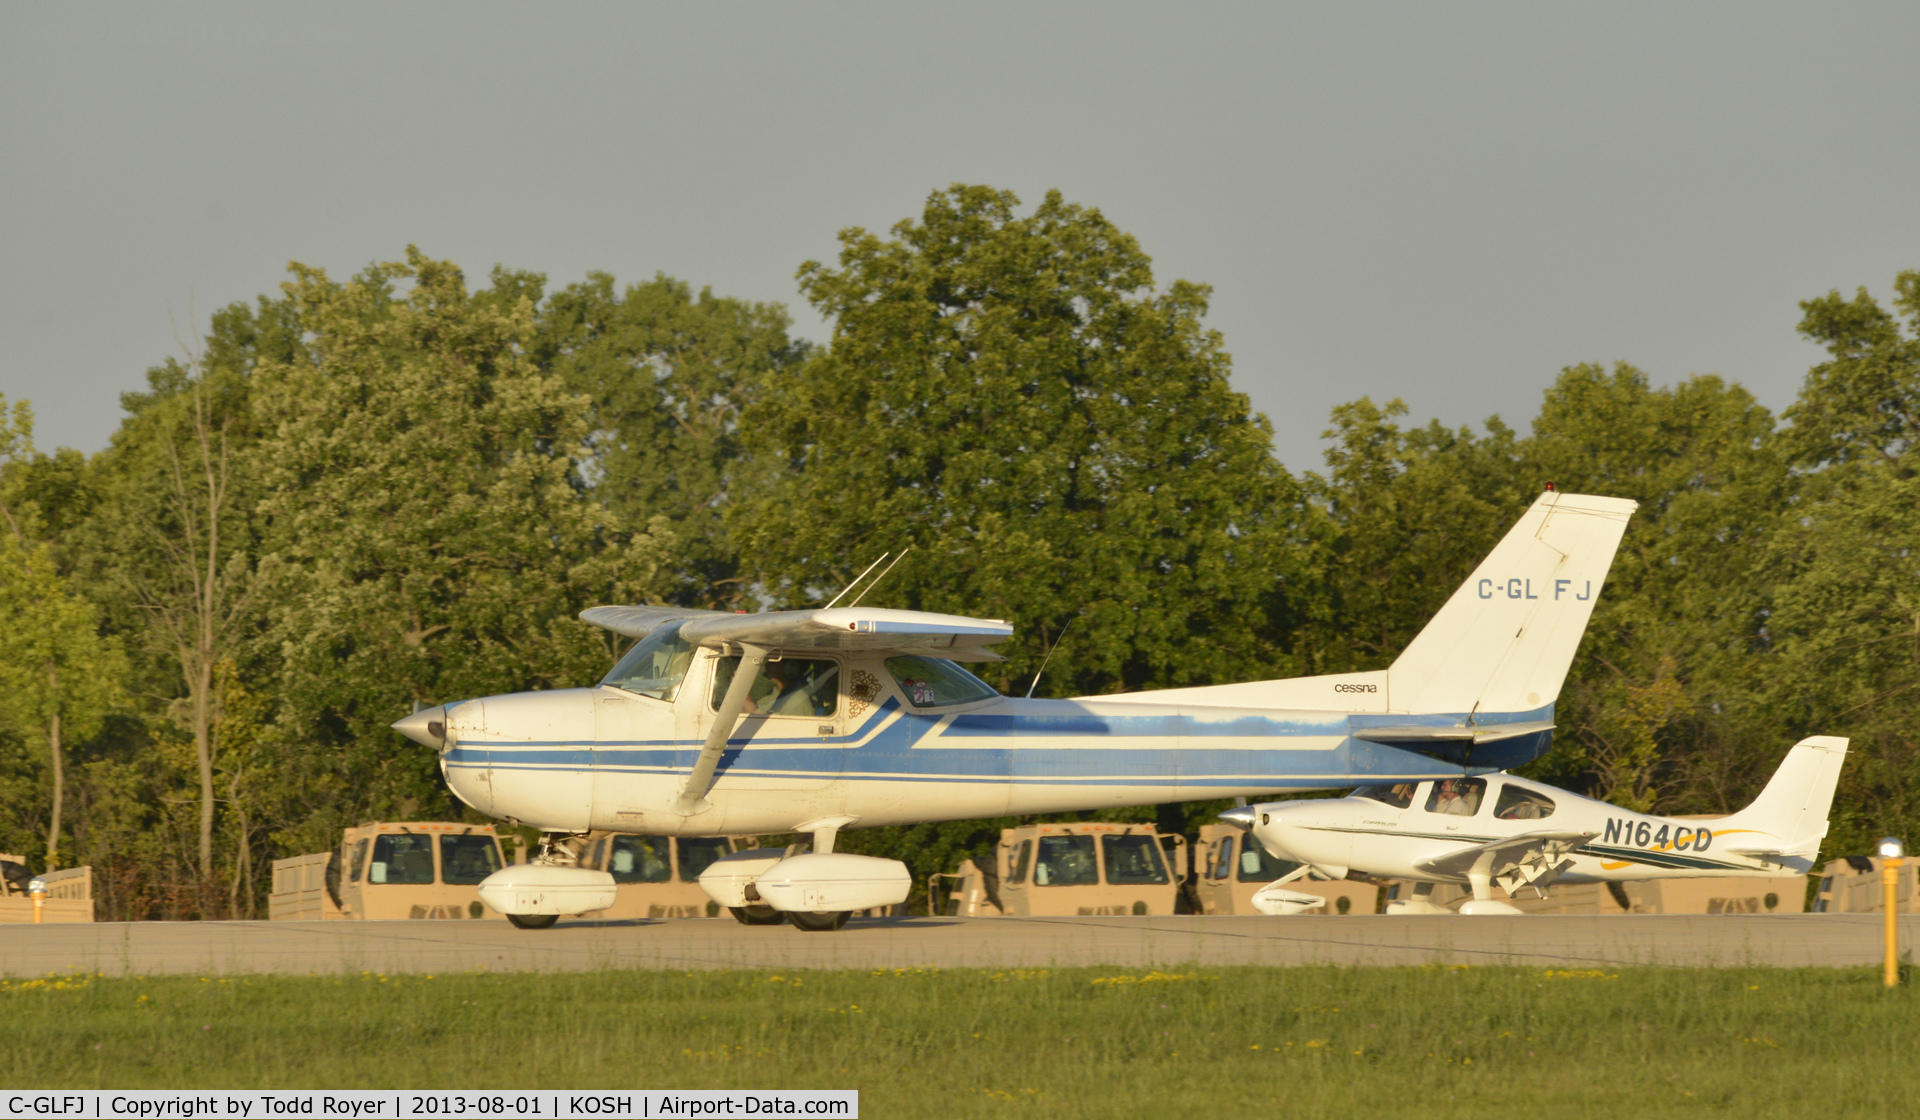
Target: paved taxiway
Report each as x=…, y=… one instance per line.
x=206, y=948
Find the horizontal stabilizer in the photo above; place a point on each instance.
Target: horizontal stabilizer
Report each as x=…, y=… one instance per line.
x=1414, y=736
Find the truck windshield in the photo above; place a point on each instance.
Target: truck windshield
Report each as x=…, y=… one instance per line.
x=1133, y=859
x=468, y=859
x=1065, y=861
x=641, y=859
x=401, y=859
x=655, y=666
x=1257, y=866
x=697, y=854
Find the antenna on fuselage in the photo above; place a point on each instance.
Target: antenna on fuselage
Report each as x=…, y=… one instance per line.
x=1057, y=638
x=881, y=576
x=857, y=579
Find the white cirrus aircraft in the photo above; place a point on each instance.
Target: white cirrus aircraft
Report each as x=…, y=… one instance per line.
x=1499, y=830
x=816, y=720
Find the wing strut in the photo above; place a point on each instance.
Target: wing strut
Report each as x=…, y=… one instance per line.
x=693, y=796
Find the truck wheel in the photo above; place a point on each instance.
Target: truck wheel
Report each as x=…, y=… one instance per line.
x=756, y=915
x=826, y=921
x=532, y=921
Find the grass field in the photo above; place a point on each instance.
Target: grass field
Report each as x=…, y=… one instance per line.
x=1297, y=1042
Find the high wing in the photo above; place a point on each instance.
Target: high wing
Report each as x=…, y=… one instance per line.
x=951, y=636
x=638, y=622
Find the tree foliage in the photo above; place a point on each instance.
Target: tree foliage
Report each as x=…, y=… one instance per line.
x=1010, y=398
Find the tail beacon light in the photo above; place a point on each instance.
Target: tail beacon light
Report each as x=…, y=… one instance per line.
x=535, y=888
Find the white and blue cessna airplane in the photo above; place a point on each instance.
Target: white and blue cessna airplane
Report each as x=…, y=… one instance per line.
x=816, y=720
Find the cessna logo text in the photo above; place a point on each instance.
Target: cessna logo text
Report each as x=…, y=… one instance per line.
x=1517, y=588
x=1356, y=688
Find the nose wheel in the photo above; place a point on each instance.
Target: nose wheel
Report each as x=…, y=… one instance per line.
x=532, y=921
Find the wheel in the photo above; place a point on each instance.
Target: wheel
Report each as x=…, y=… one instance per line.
x=532, y=921
x=825, y=921
x=756, y=915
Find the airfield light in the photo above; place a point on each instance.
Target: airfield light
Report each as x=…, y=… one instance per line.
x=37, y=890
x=1892, y=859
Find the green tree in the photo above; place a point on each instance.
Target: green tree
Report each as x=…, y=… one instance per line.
x=667, y=374
x=1669, y=658
x=58, y=678
x=1054, y=439
x=426, y=535
x=1404, y=515
x=1844, y=569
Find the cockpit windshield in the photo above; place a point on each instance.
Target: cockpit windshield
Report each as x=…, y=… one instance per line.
x=655, y=665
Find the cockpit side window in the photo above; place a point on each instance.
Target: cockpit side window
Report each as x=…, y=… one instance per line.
x=791, y=686
x=1399, y=795
x=1459, y=797
x=655, y=665
x=930, y=682
x=1517, y=803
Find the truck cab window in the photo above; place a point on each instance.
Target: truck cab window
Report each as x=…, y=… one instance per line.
x=1066, y=861
x=1223, y=858
x=655, y=665
x=402, y=858
x=1257, y=866
x=640, y=859
x=1021, y=855
x=468, y=859
x=1133, y=860
x=697, y=854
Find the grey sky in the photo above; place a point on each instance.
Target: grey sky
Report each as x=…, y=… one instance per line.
x=1445, y=203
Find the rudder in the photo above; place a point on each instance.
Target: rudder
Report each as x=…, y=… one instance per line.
x=1506, y=638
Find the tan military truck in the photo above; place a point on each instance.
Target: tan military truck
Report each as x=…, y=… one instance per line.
x=1233, y=866
x=69, y=895
x=390, y=870
x=1070, y=869
x=1852, y=886
x=657, y=876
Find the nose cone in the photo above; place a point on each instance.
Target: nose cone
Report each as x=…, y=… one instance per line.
x=1241, y=817
x=427, y=727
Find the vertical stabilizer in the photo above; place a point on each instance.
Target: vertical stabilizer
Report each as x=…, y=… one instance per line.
x=1504, y=641
x=1795, y=804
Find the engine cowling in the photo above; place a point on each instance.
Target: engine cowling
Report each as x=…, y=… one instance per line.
x=538, y=888
x=815, y=882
